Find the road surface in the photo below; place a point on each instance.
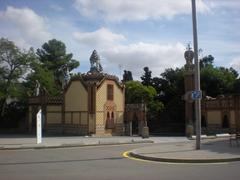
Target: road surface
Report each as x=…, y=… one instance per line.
x=103, y=162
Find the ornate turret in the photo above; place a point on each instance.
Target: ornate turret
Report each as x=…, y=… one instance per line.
x=95, y=76
x=96, y=66
x=188, y=55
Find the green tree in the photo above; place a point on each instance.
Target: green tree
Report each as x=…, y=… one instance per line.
x=234, y=72
x=236, y=86
x=147, y=77
x=44, y=76
x=170, y=88
x=14, y=64
x=127, y=76
x=206, y=61
x=138, y=93
x=218, y=80
x=171, y=84
x=53, y=57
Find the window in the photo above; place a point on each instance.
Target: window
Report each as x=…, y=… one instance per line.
x=110, y=92
x=109, y=121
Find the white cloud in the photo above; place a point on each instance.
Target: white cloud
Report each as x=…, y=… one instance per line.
x=136, y=9
x=29, y=27
x=235, y=63
x=229, y=4
x=134, y=57
x=101, y=38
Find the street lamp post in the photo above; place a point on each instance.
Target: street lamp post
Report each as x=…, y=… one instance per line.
x=197, y=78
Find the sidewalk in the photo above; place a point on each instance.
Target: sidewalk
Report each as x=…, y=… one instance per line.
x=164, y=149
x=212, y=151
x=14, y=142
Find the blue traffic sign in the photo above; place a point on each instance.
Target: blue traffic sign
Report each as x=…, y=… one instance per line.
x=196, y=95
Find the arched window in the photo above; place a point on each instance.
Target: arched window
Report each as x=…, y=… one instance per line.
x=109, y=121
x=112, y=115
x=203, y=121
x=225, y=122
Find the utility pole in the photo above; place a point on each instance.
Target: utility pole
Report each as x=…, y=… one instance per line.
x=197, y=77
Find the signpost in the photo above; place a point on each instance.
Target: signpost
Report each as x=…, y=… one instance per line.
x=39, y=127
x=197, y=78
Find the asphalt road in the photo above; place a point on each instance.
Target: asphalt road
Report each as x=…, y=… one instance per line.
x=103, y=162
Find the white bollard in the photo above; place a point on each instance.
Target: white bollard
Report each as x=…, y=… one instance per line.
x=39, y=126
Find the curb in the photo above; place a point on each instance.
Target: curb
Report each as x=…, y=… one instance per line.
x=76, y=145
x=216, y=136
x=174, y=160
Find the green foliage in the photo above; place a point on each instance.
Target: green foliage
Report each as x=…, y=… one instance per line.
x=54, y=58
x=155, y=106
x=217, y=80
x=45, y=77
x=147, y=77
x=234, y=72
x=171, y=84
x=14, y=64
x=236, y=86
x=206, y=61
x=138, y=93
x=127, y=76
x=19, y=71
x=170, y=88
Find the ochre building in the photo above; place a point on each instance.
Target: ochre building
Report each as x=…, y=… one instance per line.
x=91, y=104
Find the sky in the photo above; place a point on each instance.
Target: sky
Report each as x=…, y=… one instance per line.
x=127, y=34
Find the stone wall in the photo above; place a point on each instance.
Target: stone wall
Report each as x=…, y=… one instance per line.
x=221, y=114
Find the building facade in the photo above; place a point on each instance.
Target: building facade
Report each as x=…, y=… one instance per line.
x=91, y=104
x=221, y=114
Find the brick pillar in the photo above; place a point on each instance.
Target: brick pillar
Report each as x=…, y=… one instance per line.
x=189, y=86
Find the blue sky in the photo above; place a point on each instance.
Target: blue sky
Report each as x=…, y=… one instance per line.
x=128, y=34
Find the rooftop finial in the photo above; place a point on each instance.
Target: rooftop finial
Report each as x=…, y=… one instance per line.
x=188, y=46
x=189, y=54
x=95, y=62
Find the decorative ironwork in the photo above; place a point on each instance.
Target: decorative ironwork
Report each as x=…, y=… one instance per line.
x=55, y=100
x=45, y=100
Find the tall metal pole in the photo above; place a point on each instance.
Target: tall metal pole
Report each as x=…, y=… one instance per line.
x=197, y=78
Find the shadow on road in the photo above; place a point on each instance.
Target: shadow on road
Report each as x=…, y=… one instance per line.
x=221, y=147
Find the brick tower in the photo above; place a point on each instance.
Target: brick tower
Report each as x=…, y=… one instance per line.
x=189, y=87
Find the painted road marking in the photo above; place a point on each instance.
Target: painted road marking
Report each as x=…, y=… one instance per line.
x=126, y=155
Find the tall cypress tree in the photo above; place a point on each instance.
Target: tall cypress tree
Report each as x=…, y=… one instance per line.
x=147, y=77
